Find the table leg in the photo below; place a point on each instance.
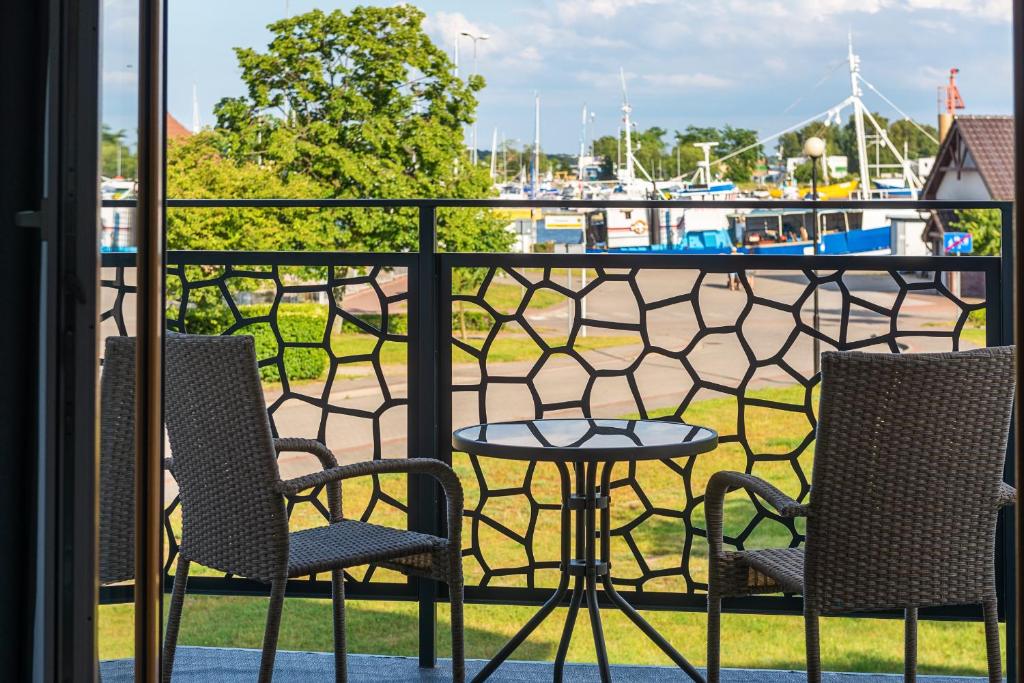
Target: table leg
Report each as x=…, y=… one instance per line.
x=569, y=503
x=554, y=600
x=620, y=602
x=592, y=568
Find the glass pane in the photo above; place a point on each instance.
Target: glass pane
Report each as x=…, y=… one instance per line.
x=119, y=93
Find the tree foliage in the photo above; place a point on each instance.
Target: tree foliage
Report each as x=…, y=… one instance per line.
x=111, y=143
x=197, y=169
x=986, y=228
x=362, y=105
x=653, y=153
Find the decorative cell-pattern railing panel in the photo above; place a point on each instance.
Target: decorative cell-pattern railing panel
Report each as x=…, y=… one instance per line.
x=669, y=338
x=331, y=334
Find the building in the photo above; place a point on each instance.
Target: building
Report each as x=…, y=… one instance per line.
x=975, y=162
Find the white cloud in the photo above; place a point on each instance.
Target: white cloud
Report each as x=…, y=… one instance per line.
x=576, y=10
x=447, y=27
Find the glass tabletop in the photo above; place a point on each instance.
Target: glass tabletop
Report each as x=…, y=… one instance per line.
x=581, y=440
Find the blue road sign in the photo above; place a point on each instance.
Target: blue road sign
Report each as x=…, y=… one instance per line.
x=958, y=242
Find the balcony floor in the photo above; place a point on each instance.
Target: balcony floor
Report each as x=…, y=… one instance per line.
x=221, y=665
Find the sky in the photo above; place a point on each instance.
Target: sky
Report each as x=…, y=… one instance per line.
x=761, y=64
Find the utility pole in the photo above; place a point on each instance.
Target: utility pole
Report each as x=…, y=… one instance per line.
x=474, y=38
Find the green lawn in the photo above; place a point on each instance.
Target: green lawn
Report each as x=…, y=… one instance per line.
x=972, y=333
x=866, y=645
x=750, y=640
x=506, y=348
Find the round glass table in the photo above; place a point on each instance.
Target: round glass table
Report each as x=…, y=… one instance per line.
x=587, y=445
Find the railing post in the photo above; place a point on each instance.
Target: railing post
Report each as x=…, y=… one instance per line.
x=424, y=515
x=1003, y=335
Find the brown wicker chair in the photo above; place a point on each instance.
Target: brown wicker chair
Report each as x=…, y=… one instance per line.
x=117, y=461
x=907, y=486
x=233, y=507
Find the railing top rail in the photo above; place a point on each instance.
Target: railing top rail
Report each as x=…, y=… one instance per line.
x=728, y=262
x=885, y=204
x=710, y=262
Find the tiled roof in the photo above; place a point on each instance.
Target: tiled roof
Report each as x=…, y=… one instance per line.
x=176, y=131
x=989, y=139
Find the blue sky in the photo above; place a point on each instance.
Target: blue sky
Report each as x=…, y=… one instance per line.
x=757, y=64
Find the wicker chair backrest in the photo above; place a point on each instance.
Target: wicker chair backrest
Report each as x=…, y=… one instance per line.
x=117, y=461
x=907, y=468
x=224, y=458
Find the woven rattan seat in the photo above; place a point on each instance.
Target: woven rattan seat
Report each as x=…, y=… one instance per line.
x=351, y=543
x=783, y=566
x=233, y=512
x=905, y=496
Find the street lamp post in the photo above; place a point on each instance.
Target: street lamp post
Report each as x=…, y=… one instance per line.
x=814, y=148
x=475, y=38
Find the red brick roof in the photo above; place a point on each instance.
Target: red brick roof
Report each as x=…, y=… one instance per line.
x=989, y=140
x=176, y=131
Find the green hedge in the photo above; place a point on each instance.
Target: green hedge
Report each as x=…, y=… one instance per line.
x=296, y=323
x=303, y=323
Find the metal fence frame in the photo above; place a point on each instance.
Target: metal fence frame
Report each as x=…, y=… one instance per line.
x=429, y=362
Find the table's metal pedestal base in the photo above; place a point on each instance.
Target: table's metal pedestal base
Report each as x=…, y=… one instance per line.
x=585, y=571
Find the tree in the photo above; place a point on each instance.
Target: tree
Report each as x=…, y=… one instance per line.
x=112, y=146
x=608, y=148
x=741, y=167
x=198, y=170
x=364, y=105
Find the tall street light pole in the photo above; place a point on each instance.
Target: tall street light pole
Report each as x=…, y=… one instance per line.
x=475, y=38
x=814, y=148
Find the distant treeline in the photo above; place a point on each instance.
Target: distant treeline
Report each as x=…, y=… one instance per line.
x=663, y=156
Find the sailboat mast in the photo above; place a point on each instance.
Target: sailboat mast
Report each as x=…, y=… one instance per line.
x=494, y=154
x=858, y=119
x=536, y=145
x=583, y=148
x=626, y=109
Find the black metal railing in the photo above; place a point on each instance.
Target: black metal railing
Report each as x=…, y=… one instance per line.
x=665, y=313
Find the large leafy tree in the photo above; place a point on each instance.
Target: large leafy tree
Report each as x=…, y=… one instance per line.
x=364, y=105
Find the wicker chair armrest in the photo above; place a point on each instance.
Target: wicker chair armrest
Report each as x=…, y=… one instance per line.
x=436, y=469
x=1007, y=495
x=783, y=504
x=311, y=446
x=722, y=483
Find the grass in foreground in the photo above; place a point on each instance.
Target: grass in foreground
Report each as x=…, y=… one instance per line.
x=755, y=641
x=748, y=641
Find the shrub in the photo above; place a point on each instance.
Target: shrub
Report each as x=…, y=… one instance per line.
x=295, y=322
